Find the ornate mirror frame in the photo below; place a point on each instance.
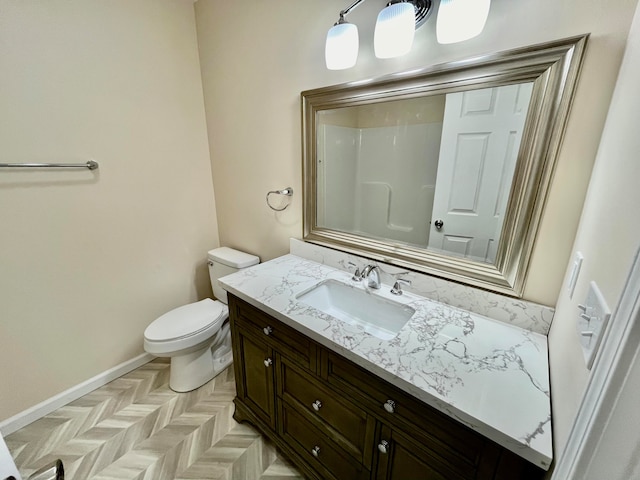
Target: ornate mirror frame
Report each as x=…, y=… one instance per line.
x=554, y=69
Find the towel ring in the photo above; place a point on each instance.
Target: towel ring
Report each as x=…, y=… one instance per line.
x=285, y=191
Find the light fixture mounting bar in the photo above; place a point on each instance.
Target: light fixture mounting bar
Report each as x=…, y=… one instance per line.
x=423, y=9
x=347, y=10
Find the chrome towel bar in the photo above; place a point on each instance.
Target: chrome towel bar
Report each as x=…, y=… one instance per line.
x=91, y=165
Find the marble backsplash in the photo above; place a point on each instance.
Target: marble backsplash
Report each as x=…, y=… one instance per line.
x=520, y=313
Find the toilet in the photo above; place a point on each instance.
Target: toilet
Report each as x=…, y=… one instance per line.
x=196, y=336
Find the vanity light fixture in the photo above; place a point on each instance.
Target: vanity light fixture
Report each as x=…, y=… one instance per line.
x=395, y=29
x=460, y=20
x=393, y=35
x=341, y=49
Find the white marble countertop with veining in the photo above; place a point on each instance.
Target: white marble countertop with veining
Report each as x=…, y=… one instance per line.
x=490, y=376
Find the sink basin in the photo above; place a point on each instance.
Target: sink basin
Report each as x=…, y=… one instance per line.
x=381, y=317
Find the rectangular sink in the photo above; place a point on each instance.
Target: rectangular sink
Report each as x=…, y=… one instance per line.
x=379, y=316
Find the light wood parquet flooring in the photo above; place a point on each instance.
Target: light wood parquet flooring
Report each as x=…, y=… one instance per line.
x=136, y=428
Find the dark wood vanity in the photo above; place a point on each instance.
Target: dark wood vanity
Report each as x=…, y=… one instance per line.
x=335, y=420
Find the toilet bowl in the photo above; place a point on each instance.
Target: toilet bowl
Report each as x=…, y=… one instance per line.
x=196, y=336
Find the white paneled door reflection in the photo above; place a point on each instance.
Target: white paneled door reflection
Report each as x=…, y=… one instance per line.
x=480, y=141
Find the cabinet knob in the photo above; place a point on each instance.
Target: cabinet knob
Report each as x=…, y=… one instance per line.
x=268, y=362
x=315, y=451
x=383, y=446
x=268, y=330
x=316, y=405
x=390, y=406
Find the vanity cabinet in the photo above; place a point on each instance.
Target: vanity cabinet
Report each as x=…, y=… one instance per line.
x=337, y=421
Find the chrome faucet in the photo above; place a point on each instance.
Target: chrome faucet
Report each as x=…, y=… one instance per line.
x=372, y=274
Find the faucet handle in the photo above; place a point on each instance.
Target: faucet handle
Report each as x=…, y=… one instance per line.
x=397, y=288
x=356, y=275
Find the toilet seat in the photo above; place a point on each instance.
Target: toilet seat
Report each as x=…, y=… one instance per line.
x=185, y=327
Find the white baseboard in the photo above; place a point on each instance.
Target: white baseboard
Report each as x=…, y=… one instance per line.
x=32, y=414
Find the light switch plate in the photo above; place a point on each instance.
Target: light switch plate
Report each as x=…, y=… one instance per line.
x=593, y=317
x=575, y=271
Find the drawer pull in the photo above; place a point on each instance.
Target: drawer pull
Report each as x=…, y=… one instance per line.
x=268, y=362
x=268, y=330
x=316, y=405
x=390, y=406
x=315, y=451
x=383, y=446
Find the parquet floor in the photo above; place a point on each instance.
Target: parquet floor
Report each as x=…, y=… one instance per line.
x=136, y=428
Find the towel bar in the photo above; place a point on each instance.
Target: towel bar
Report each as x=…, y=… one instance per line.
x=91, y=165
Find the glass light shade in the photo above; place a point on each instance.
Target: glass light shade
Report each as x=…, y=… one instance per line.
x=341, y=49
x=460, y=20
x=395, y=28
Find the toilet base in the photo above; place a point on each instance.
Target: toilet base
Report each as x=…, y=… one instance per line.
x=192, y=370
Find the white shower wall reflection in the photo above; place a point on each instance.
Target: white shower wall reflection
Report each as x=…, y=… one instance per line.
x=387, y=192
x=390, y=170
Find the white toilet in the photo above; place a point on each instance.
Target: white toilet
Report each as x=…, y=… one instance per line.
x=196, y=336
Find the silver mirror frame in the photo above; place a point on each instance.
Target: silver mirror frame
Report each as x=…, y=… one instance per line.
x=553, y=67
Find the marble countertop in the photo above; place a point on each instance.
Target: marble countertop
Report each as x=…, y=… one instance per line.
x=491, y=376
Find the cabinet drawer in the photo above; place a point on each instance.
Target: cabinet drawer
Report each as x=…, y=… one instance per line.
x=348, y=425
x=280, y=337
x=325, y=456
x=446, y=437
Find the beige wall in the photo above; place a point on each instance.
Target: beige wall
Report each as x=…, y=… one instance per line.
x=608, y=237
x=88, y=260
x=258, y=56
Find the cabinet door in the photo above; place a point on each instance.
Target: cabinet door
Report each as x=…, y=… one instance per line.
x=255, y=365
x=401, y=458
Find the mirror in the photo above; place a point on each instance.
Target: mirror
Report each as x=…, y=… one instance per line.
x=443, y=170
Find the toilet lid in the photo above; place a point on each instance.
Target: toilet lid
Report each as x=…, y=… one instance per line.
x=187, y=320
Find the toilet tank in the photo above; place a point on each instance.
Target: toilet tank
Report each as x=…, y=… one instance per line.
x=225, y=261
